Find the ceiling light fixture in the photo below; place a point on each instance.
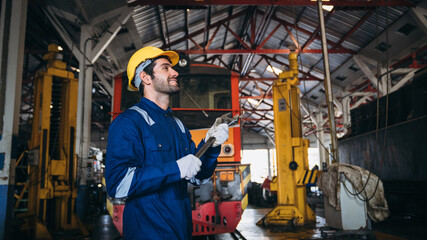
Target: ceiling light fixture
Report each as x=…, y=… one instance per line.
x=328, y=7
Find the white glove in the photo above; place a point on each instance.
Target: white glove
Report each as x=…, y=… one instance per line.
x=220, y=133
x=189, y=166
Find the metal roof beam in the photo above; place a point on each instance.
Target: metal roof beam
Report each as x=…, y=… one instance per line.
x=403, y=81
x=291, y=25
x=257, y=97
x=420, y=13
x=238, y=38
x=260, y=110
x=307, y=74
x=110, y=34
x=248, y=20
x=261, y=51
x=317, y=30
x=269, y=36
x=259, y=115
x=160, y=23
x=207, y=24
x=108, y=15
x=106, y=85
x=261, y=79
x=410, y=59
x=186, y=28
x=265, y=21
x=362, y=100
x=200, y=31
x=230, y=13
x=256, y=119
x=64, y=14
x=308, y=111
x=62, y=32
x=263, y=94
x=292, y=37
x=365, y=69
x=355, y=27
x=341, y=3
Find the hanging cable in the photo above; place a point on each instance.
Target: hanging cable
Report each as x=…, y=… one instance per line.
x=357, y=193
x=298, y=48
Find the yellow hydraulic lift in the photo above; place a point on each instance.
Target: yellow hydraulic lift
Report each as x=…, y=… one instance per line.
x=52, y=163
x=291, y=150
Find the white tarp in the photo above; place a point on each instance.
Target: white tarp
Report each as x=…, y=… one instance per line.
x=367, y=185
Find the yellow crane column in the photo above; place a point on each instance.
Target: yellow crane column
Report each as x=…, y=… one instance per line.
x=291, y=150
x=52, y=165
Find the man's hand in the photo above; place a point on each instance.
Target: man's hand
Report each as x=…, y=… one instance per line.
x=220, y=133
x=189, y=166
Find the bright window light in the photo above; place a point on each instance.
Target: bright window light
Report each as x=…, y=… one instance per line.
x=253, y=101
x=75, y=69
x=328, y=7
x=274, y=69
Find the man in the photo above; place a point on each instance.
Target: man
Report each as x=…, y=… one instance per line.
x=150, y=153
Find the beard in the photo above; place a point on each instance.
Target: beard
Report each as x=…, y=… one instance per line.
x=165, y=87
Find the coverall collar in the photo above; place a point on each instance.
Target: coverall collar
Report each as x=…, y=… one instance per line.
x=155, y=107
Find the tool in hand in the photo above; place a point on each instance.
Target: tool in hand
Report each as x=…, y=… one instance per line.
x=226, y=118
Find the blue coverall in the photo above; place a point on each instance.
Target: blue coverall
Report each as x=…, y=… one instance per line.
x=144, y=143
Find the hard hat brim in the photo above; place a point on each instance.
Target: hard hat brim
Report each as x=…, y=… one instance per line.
x=173, y=56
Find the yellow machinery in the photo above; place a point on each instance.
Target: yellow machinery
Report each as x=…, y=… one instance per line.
x=291, y=150
x=52, y=162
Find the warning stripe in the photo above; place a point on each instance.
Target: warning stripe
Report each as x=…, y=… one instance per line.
x=309, y=177
x=246, y=174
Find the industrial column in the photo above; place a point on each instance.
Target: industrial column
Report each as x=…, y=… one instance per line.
x=84, y=119
x=12, y=41
x=292, y=152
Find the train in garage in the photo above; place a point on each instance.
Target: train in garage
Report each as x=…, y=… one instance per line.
x=396, y=152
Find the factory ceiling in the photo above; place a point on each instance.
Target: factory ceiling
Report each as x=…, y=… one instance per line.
x=374, y=47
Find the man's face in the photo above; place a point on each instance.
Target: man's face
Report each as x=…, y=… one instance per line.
x=165, y=77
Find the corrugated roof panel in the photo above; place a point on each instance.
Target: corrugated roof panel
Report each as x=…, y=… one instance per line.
x=174, y=21
x=373, y=26
x=145, y=18
x=289, y=13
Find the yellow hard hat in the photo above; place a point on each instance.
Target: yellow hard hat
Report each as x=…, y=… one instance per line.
x=142, y=55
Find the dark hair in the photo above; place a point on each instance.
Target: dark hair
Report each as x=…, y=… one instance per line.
x=150, y=71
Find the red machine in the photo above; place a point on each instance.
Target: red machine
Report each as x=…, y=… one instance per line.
x=206, y=92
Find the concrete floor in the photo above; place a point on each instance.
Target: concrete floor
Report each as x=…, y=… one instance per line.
x=391, y=229
x=248, y=228
x=394, y=228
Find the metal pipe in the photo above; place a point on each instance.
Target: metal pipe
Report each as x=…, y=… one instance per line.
x=320, y=137
x=328, y=84
x=83, y=115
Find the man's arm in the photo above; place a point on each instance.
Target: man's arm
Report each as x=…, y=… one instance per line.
x=126, y=173
x=209, y=161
